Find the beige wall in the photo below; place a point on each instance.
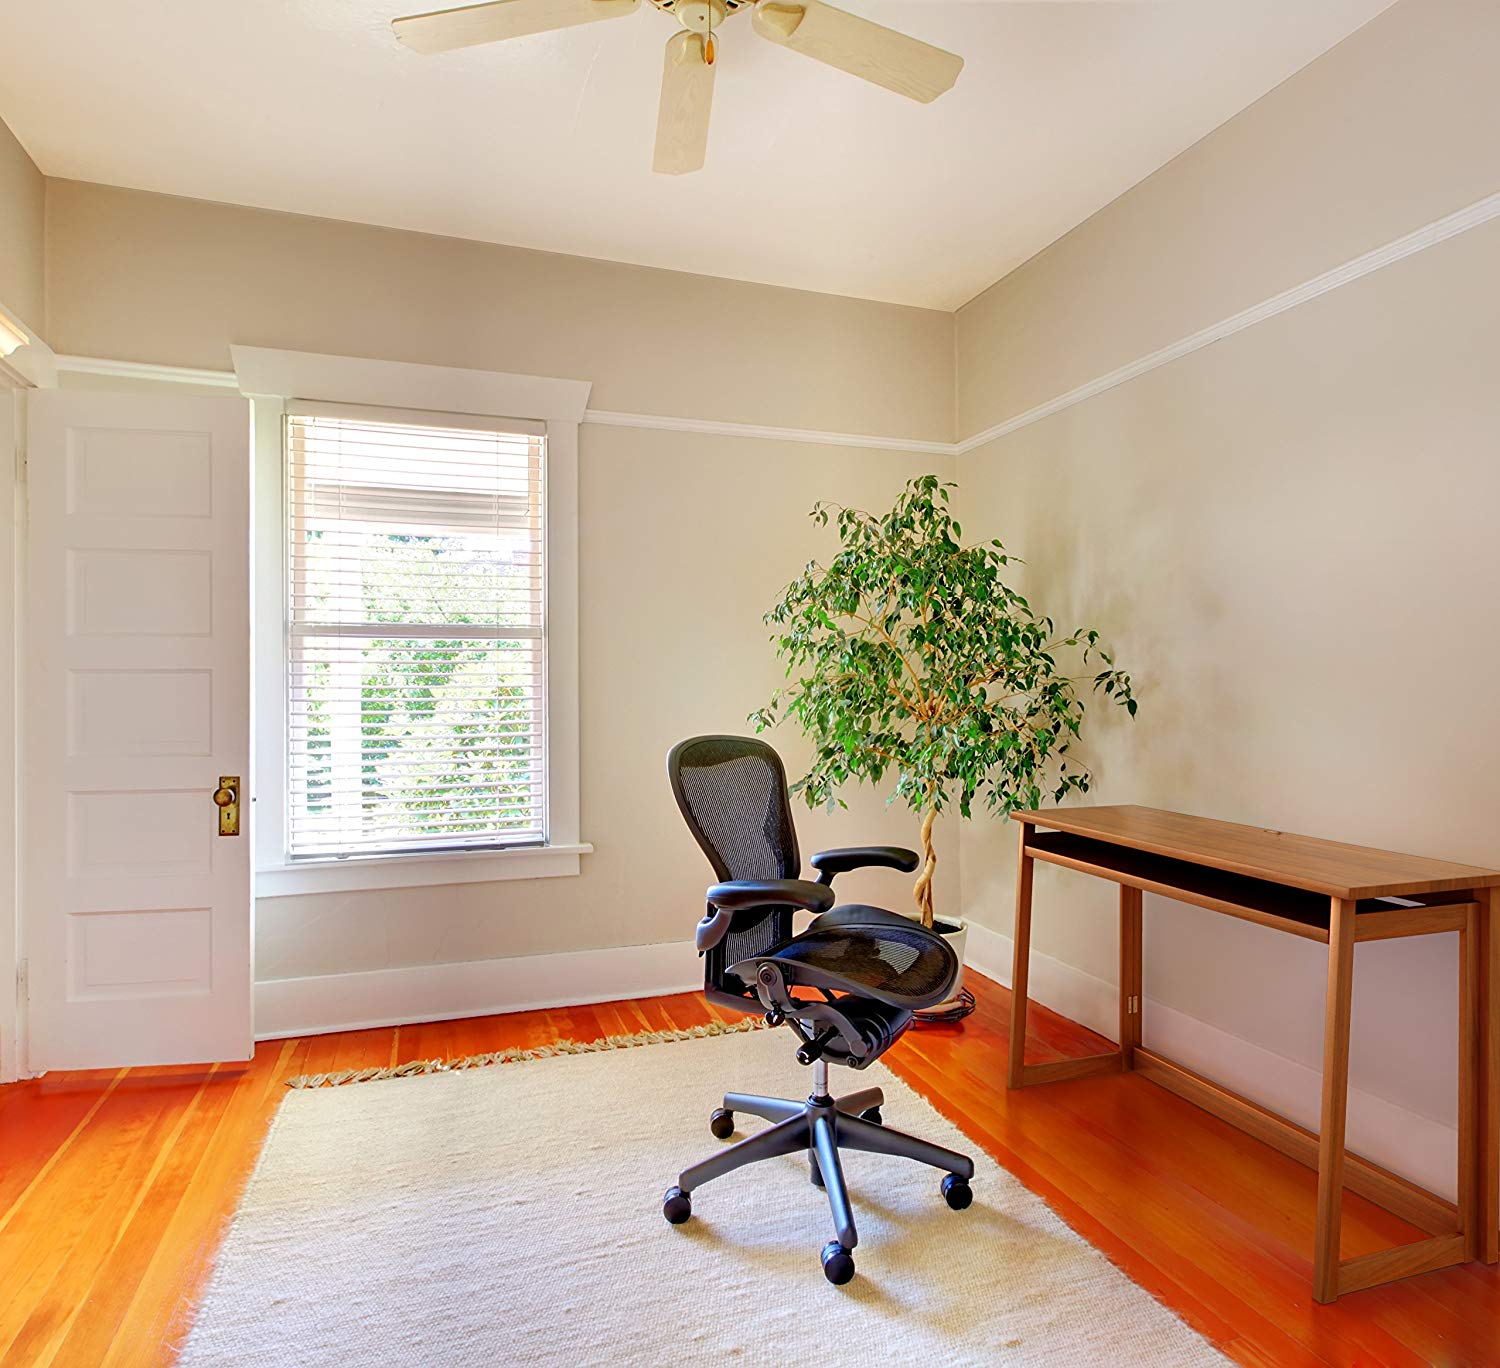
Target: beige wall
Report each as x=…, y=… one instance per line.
x=685, y=539
x=1288, y=535
x=21, y=233
x=1290, y=538
x=1391, y=129
x=141, y=277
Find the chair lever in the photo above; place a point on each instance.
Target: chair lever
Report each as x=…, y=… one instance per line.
x=815, y=1047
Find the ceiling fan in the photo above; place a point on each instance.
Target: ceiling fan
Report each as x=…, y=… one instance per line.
x=862, y=48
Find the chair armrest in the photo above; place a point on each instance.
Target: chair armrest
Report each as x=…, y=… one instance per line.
x=738, y=893
x=831, y=862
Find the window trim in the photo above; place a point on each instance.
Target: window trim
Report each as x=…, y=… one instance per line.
x=276, y=379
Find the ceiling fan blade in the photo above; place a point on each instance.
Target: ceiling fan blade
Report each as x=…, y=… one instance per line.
x=687, y=94
x=862, y=48
x=444, y=30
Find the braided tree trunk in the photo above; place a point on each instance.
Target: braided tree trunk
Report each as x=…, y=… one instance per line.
x=923, y=888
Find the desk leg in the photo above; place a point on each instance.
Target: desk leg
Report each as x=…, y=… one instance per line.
x=1335, y=1101
x=1487, y=1084
x=1130, y=975
x=1469, y=1203
x=1022, y=965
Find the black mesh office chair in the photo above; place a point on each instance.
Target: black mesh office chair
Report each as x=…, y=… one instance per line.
x=862, y=970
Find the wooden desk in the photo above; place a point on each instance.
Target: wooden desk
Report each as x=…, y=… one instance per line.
x=1322, y=891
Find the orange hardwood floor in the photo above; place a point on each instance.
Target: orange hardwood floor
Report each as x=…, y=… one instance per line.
x=115, y=1188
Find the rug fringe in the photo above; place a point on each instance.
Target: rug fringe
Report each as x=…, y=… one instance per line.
x=516, y=1055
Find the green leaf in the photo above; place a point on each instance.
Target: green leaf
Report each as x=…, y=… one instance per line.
x=912, y=665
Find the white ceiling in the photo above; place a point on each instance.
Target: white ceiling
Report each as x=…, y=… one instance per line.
x=814, y=179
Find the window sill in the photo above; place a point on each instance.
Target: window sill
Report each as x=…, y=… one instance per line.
x=418, y=871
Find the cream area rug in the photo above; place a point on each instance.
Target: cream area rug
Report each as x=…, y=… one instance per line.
x=511, y=1214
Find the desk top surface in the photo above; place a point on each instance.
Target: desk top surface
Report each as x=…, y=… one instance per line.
x=1328, y=867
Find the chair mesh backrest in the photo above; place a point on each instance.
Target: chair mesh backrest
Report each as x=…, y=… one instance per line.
x=732, y=793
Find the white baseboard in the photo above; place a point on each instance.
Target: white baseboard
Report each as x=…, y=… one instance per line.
x=445, y=992
x=1417, y=1147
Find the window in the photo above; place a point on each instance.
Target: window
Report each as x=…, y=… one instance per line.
x=416, y=687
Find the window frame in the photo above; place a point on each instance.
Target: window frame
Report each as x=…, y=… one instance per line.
x=304, y=626
x=275, y=381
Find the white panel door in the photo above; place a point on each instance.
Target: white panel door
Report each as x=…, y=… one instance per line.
x=137, y=702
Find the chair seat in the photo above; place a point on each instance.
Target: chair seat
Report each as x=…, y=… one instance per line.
x=868, y=952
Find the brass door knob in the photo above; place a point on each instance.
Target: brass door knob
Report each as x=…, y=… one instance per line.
x=223, y=797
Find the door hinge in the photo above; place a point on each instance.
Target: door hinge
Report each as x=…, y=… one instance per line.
x=1133, y=1006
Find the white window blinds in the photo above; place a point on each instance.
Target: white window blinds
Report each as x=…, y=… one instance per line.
x=416, y=652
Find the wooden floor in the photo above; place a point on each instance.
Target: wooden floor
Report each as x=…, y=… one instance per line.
x=115, y=1189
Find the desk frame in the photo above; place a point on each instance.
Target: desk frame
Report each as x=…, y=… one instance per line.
x=1457, y=1232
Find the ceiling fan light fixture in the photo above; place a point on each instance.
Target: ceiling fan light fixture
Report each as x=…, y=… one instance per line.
x=699, y=16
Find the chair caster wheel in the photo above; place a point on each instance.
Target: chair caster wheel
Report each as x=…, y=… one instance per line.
x=838, y=1263
x=721, y=1123
x=956, y=1192
x=678, y=1206
x=815, y=1175
x=872, y=1114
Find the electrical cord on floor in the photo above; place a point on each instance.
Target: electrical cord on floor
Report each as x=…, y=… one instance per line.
x=961, y=1007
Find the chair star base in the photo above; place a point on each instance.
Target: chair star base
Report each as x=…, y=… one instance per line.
x=821, y=1127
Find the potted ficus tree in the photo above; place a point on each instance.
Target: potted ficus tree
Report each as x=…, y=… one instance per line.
x=910, y=659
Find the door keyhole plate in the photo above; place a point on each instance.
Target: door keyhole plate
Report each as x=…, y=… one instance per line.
x=227, y=800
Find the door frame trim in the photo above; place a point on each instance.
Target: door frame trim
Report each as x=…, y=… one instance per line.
x=13, y=1023
x=33, y=366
